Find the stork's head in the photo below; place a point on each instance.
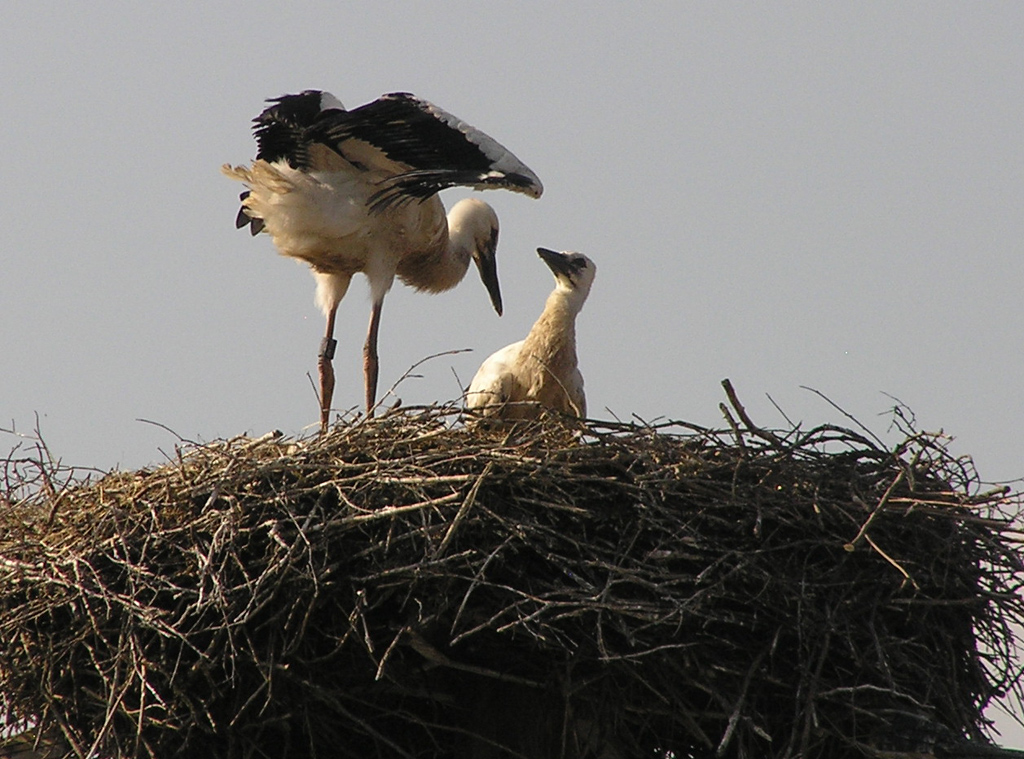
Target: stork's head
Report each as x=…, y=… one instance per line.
x=476, y=224
x=574, y=272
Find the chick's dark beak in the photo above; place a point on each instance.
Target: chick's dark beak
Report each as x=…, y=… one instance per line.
x=557, y=262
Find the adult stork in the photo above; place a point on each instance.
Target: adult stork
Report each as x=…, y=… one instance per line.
x=541, y=371
x=356, y=191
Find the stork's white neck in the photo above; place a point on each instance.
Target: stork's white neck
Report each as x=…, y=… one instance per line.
x=455, y=252
x=471, y=226
x=465, y=232
x=566, y=300
x=552, y=340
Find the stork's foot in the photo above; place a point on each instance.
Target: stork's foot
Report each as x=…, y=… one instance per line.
x=325, y=366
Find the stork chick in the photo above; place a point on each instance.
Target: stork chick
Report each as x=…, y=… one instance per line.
x=356, y=191
x=541, y=371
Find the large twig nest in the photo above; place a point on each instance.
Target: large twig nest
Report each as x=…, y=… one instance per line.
x=407, y=587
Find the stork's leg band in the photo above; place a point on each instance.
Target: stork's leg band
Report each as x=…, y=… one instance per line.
x=327, y=346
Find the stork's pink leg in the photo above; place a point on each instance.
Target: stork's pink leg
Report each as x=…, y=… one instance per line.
x=326, y=370
x=370, y=357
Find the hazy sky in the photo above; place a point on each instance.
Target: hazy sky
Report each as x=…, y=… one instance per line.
x=797, y=194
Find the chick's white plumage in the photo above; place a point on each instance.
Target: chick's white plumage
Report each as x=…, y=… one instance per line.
x=541, y=371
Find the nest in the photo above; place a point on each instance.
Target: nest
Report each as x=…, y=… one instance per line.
x=407, y=587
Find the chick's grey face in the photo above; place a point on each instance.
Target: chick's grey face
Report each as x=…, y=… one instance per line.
x=577, y=266
x=568, y=267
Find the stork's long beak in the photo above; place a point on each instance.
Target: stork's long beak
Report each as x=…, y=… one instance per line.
x=556, y=262
x=487, y=264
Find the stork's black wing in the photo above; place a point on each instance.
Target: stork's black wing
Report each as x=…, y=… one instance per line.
x=282, y=130
x=436, y=149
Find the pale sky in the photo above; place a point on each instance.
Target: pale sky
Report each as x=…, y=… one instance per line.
x=787, y=195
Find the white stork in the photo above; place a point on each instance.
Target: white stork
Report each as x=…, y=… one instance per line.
x=541, y=371
x=356, y=191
